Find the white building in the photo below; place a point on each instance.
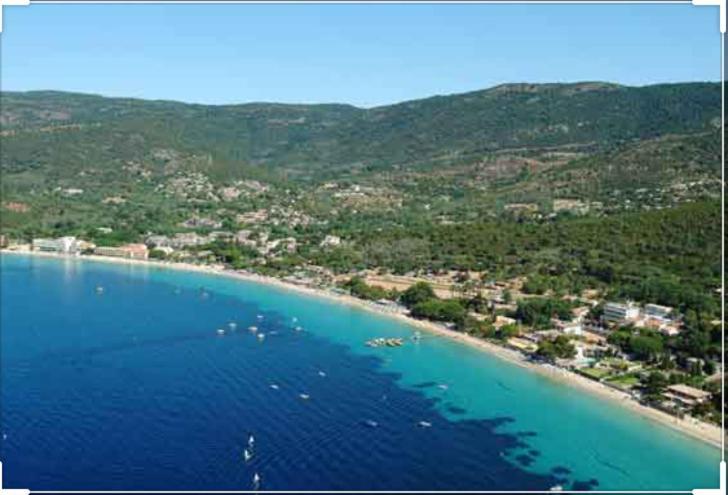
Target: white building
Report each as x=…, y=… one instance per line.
x=619, y=312
x=657, y=311
x=67, y=245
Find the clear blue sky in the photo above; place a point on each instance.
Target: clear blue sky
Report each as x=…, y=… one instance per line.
x=360, y=54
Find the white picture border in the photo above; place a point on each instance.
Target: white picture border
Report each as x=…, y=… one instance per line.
x=721, y=4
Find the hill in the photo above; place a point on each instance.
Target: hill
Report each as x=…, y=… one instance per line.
x=61, y=135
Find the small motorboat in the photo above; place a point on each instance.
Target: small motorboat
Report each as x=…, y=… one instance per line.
x=304, y=396
x=256, y=481
x=371, y=423
x=253, y=328
x=247, y=455
x=298, y=329
x=274, y=386
x=261, y=336
x=232, y=325
x=221, y=331
x=251, y=441
x=424, y=424
x=442, y=386
x=260, y=317
x=556, y=488
x=322, y=373
x=99, y=289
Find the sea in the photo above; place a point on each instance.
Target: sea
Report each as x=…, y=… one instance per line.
x=133, y=377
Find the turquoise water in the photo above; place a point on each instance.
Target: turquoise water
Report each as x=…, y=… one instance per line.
x=138, y=389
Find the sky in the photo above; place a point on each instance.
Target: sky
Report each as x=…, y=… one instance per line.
x=365, y=55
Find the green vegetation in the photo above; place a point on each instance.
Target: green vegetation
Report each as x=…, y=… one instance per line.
x=358, y=288
x=537, y=312
x=560, y=347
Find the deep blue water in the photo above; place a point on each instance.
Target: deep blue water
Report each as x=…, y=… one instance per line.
x=134, y=389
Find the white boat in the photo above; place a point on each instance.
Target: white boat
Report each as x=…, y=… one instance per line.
x=261, y=336
x=247, y=455
x=274, y=386
x=253, y=328
x=233, y=325
x=298, y=329
x=220, y=331
x=304, y=396
x=442, y=386
x=256, y=481
x=556, y=488
x=424, y=424
x=371, y=423
x=99, y=289
x=260, y=317
x=251, y=441
x=322, y=373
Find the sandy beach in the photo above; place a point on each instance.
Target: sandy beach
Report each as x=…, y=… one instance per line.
x=708, y=433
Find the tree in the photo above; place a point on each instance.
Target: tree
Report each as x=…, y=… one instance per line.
x=439, y=310
x=507, y=331
x=559, y=347
x=416, y=294
x=645, y=346
x=539, y=311
x=653, y=385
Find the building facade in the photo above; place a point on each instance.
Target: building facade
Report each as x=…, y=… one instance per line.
x=619, y=312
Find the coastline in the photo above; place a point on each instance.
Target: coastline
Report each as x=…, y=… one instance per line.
x=707, y=433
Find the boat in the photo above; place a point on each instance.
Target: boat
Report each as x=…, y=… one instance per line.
x=322, y=373
x=233, y=325
x=382, y=342
x=294, y=319
x=247, y=455
x=99, y=289
x=298, y=329
x=424, y=424
x=251, y=441
x=261, y=336
x=260, y=317
x=274, y=386
x=256, y=481
x=304, y=396
x=371, y=423
x=220, y=331
x=253, y=328
x=442, y=386
x=556, y=488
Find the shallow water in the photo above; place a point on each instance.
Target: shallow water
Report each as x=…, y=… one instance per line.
x=134, y=388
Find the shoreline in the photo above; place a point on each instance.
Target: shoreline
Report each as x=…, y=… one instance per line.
x=707, y=433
